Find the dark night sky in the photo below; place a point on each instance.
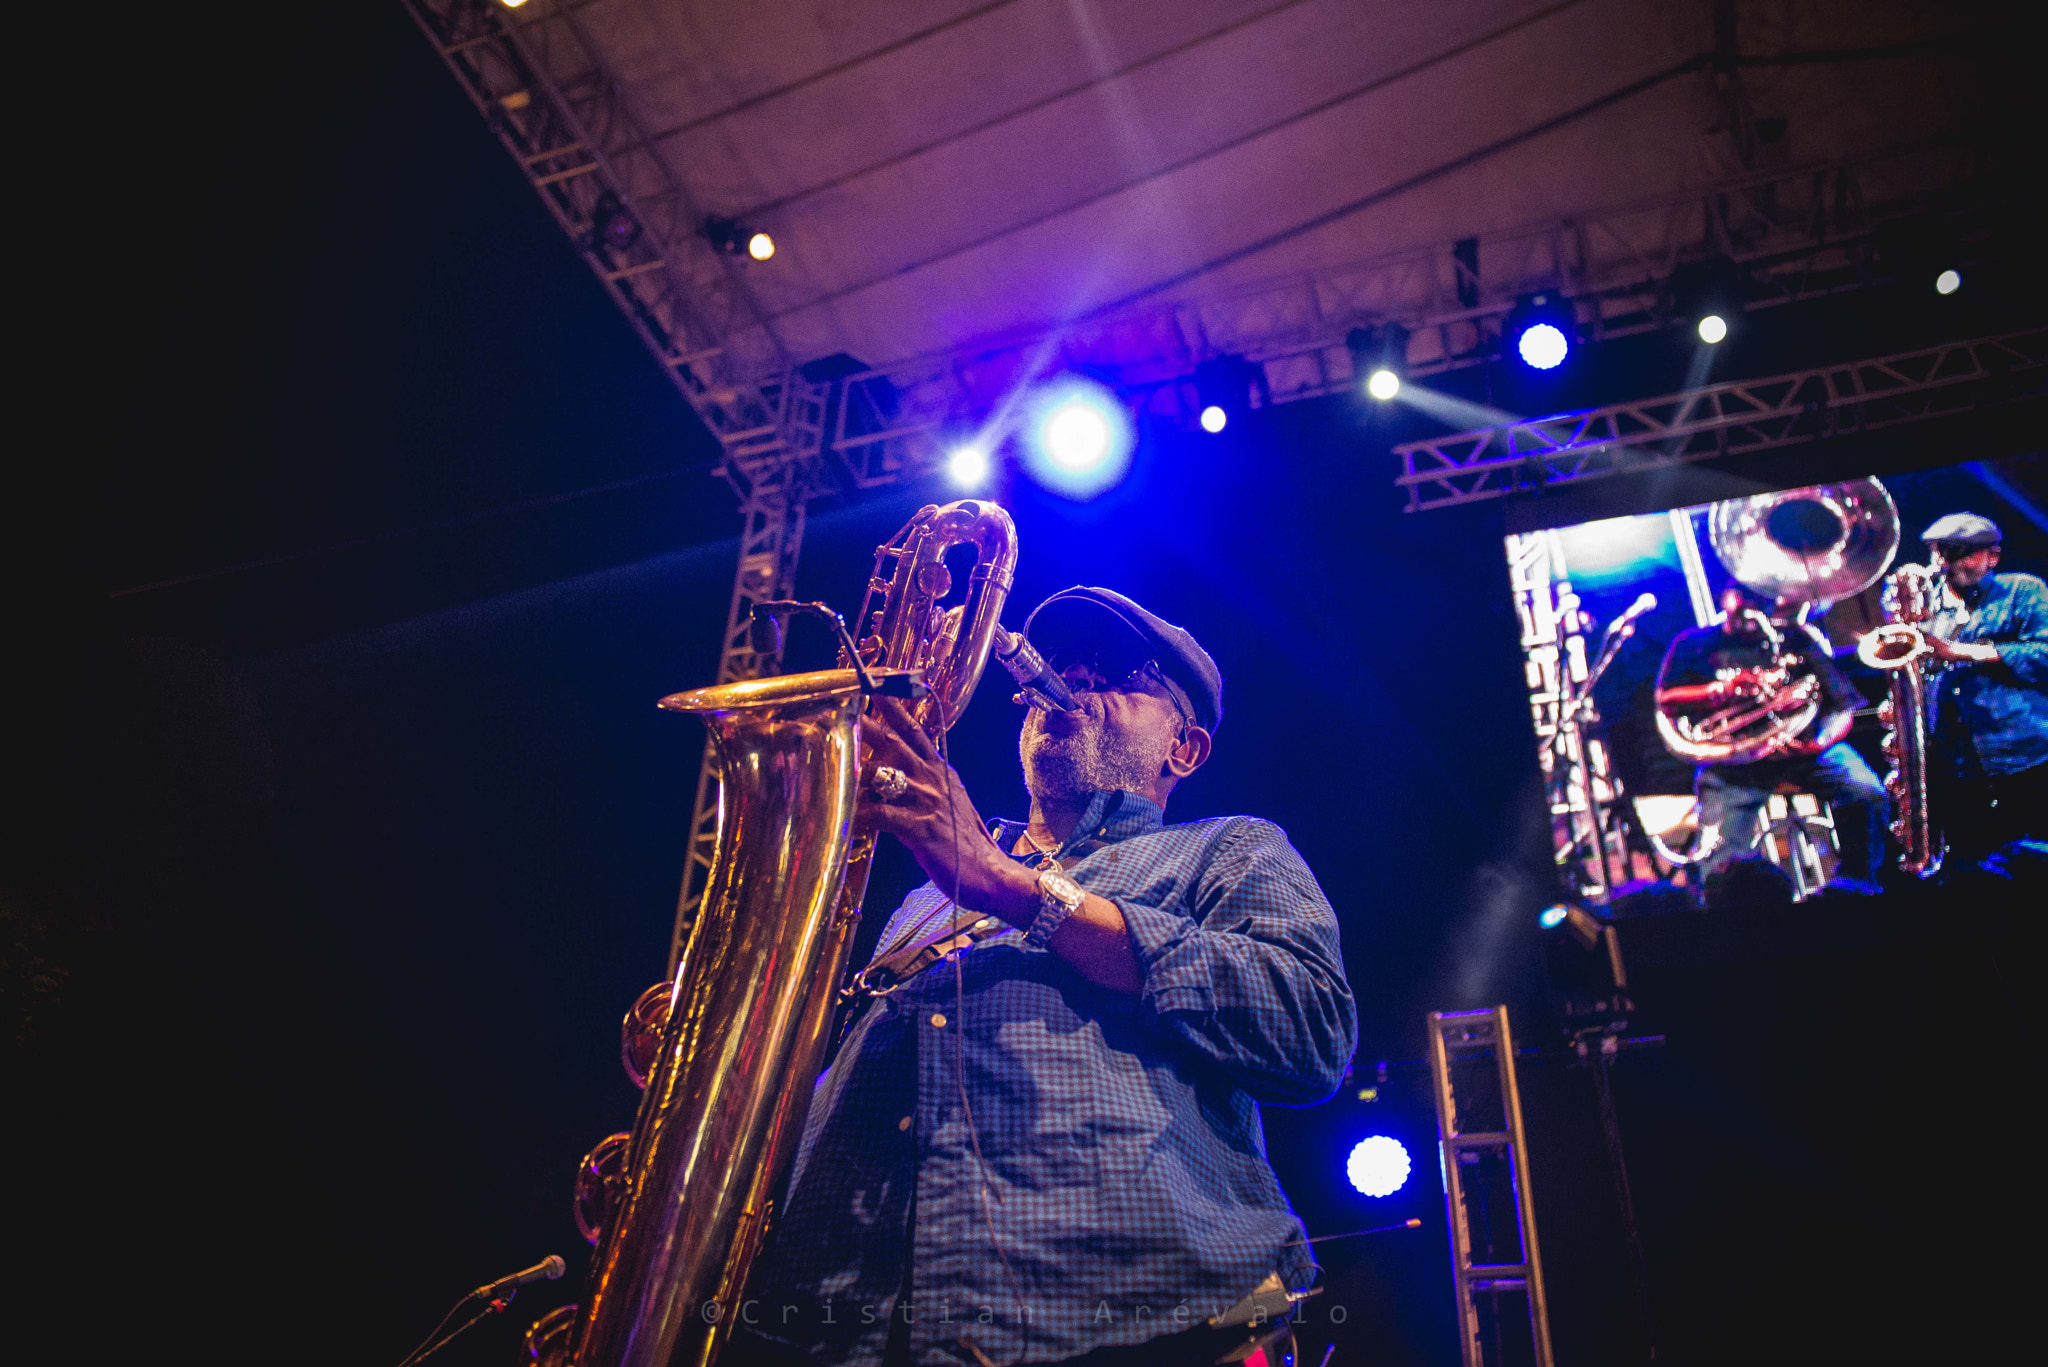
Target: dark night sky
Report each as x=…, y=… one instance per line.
x=337, y=871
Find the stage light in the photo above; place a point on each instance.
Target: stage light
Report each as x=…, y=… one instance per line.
x=1713, y=328
x=1552, y=916
x=968, y=466
x=1378, y=1166
x=1380, y=353
x=735, y=238
x=1079, y=438
x=511, y=4
x=1948, y=282
x=1543, y=346
x=1224, y=386
x=1540, y=328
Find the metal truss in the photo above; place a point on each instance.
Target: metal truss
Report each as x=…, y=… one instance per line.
x=771, y=536
x=1723, y=420
x=1795, y=234
x=536, y=78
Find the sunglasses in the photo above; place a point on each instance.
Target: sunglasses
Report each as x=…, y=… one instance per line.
x=1955, y=550
x=1122, y=669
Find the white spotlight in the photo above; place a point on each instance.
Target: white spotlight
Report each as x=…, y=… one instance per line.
x=1543, y=346
x=760, y=246
x=968, y=466
x=1713, y=328
x=1948, y=282
x=1214, y=418
x=1076, y=437
x=1079, y=438
x=1383, y=385
x=1378, y=1166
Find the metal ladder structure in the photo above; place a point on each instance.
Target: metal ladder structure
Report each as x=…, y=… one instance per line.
x=1482, y=1149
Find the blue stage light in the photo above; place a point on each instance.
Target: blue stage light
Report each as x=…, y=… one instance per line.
x=1214, y=418
x=1543, y=346
x=1080, y=439
x=1551, y=916
x=1540, y=330
x=1378, y=1166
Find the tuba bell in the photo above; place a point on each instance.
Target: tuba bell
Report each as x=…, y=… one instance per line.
x=727, y=1050
x=1804, y=548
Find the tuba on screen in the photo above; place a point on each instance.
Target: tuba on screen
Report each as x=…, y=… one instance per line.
x=727, y=1050
x=1814, y=545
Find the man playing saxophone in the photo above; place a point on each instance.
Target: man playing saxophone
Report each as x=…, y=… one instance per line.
x=1040, y=1140
x=1990, y=712
x=1752, y=658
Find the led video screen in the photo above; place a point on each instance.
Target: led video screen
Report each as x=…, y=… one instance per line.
x=1758, y=766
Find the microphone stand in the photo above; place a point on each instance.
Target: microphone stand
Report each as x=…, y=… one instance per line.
x=1571, y=708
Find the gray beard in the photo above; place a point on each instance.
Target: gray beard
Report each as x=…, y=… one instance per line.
x=1090, y=760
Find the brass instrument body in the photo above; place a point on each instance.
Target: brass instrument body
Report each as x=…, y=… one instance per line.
x=1748, y=729
x=750, y=1008
x=718, y=1103
x=1799, y=547
x=1900, y=647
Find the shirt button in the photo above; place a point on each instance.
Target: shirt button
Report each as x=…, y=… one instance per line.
x=938, y=1020
x=904, y=1123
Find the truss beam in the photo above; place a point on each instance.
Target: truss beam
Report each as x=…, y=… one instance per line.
x=1722, y=420
x=536, y=78
x=1796, y=234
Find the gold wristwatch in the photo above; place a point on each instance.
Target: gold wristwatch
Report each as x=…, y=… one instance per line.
x=1058, y=898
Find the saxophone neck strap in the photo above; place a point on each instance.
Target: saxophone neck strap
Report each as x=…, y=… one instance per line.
x=899, y=966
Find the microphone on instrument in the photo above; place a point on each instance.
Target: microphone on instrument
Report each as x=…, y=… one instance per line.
x=1041, y=686
x=547, y=1269
x=1627, y=621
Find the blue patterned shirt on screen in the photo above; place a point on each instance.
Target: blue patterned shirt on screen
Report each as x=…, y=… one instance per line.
x=1999, y=710
x=1121, y=1189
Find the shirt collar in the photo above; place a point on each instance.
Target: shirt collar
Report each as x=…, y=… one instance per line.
x=1108, y=818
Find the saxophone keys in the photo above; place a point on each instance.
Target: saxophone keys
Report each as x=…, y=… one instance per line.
x=640, y=1033
x=598, y=1179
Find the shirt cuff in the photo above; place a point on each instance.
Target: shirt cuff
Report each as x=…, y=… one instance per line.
x=1170, y=956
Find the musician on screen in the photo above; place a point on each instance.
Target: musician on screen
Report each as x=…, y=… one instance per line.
x=1761, y=706
x=1040, y=1141
x=1990, y=695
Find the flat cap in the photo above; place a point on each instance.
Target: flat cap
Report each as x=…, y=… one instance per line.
x=1078, y=615
x=1963, y=529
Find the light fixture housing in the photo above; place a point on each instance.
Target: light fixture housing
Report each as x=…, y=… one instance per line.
x=735, y=238
x=1540, y=329
x=1380, y=353
x=1224, y=386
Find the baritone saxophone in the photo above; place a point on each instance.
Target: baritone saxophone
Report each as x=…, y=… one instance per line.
x=1899, y=646
x=727, y=1050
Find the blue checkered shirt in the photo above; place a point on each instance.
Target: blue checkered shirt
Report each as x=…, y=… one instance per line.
x=1121, y=1190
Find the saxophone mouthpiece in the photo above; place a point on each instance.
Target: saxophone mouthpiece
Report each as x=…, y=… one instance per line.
x=1041, y=687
